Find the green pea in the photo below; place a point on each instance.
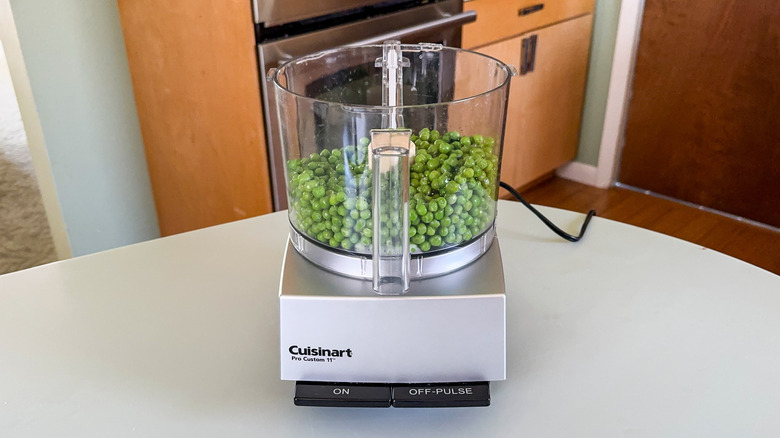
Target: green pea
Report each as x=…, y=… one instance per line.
x=452, y=181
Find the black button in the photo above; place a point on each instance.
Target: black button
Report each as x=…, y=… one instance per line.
x=355, y=395
x=441, y=395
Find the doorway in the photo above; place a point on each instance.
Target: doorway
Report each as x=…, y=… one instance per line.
x=25, y=238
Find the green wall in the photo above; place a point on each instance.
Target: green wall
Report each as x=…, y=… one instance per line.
x=600, y=65
x=75, y=59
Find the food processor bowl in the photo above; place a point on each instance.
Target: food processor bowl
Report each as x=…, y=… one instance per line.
x=454, y=103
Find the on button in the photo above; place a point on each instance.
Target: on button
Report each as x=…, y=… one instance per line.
x=353, y=395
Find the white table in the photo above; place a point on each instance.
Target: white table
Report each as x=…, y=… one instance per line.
x=626, y=334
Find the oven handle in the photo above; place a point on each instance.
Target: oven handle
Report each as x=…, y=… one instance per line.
x=452, y=21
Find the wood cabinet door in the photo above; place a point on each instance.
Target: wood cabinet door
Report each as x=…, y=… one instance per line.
x=194, y=71
x=545, y=103
x=703, y=118
x=546, y=127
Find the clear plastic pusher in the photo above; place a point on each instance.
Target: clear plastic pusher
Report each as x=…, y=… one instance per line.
x=391, y=257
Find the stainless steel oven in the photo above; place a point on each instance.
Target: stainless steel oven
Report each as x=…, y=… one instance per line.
x=287, y=29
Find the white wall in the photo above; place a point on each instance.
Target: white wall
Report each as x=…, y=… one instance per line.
x=68, y=64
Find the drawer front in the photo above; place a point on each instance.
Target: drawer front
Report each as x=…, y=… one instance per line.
x=500, y=19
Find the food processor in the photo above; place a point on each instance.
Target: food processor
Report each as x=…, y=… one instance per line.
x=392, y=288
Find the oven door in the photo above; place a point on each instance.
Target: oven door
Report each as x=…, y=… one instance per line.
x=433, y=23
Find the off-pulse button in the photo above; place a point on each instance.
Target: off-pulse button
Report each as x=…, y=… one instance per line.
x=449, y=395
x=354, y=395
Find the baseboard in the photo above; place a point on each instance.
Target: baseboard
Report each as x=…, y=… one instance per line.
x=578, y=172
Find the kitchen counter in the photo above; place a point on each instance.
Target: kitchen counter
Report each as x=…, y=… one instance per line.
x=628, y=333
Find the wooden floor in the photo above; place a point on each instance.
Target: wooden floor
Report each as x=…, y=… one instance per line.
x=753, y=244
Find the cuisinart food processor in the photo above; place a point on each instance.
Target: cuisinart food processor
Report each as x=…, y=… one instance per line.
x=392, y=289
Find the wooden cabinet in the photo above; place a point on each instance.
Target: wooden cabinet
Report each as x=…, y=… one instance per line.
x=194, y=71
x=545, y=102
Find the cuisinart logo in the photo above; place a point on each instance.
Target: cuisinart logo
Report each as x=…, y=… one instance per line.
x=317, y=354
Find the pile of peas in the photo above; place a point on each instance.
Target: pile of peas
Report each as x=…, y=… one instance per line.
x=453, y=187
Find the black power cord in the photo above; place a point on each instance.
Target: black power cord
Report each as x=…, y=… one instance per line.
x=546, y=221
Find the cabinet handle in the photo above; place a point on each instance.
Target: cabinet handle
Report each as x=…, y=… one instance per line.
x=528, y=54
x=532, y=58
x=524, y=56
x=530, y=9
